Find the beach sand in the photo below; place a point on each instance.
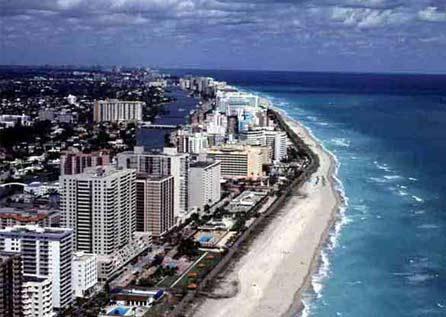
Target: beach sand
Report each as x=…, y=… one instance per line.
x=268, y=280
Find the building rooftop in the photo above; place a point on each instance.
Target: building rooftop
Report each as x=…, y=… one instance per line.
x=37, y=231
x=202, y=164
x=143, y=176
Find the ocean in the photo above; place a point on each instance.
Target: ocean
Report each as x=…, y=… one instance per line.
x=387, y=254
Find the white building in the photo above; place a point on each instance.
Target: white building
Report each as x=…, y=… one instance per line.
x=37, y=296
x=46, y=252
x=84, y=273
x=276, y=140
x=100, y=206
x=232, y=102
x=170, y=162
x=205, y=186
x=114, y=110
x=9, y=120
x=198, y=142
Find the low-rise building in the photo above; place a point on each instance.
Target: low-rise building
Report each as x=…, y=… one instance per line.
x=84, y=273
x=10, y=217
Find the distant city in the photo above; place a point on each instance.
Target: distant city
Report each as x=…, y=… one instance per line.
x=125, y=192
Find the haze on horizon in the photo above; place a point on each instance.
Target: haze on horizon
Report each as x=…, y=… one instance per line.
x=307, y=35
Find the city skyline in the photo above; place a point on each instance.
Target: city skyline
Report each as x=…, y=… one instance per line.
x=322, y=35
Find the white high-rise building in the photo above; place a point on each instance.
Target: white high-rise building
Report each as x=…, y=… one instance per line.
x=114, y=110
x=198, y=142
x=276, y=140
x=170, y=162
x=37, y=296
x=46, y=253
x=84, y=273
x=205, y=186
x=100, y=206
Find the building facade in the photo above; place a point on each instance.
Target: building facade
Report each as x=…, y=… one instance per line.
x=170, y=162
x=45, y=252
x=37, y=296
x=100, y=206
x=84, y=273
x=205, y=186
x=10, y=217
x=11, y=283
x=75, y=162
x=241, y=161
x=155, y=204
x=275, y=140
x=113, y=110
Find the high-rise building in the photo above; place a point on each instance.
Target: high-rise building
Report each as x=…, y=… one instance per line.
x=154, y=204
x=75, y=162
x=191, y=142
x=11, y=283
x=99, y=205
x=113, y=110
x=275, y=140
x=170, y=162
x=37, y=296
x=45, y=252
x=205, y=186
x=240, y=161
x=84, y=273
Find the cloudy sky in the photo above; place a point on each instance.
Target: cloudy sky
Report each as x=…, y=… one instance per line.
x=315, y=35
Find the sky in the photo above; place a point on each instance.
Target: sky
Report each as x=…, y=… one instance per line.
x=305, y=35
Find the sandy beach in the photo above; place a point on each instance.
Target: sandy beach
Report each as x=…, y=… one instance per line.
x=269, y=278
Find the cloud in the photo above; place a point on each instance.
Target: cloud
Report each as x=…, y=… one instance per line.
x=432, y=14
x=184, y=29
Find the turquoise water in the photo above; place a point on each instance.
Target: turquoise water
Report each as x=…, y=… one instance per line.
x=387, y=254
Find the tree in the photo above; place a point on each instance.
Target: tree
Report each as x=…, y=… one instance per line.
x=188, y=247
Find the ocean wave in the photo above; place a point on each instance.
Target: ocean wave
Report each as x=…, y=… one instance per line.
x=429, y=226
x=417, y=199
x=413, y=179
x=343, y=142
x=382, y=166
x=392, y=177
x=378, y=179
x=318, y=278
x=419, y=277
x=402, y=193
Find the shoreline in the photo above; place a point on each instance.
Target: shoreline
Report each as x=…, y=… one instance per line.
x=268, y=298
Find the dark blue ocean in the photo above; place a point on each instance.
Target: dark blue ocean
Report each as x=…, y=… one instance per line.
x=387, y=256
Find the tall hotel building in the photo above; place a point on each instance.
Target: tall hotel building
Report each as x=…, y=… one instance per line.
x=11, y=283
x=170, y=162
x=205, y=186
x=154, y=204
x=99, y=205
x=275, y=140
x=241, y=161
x=75, y=162
x=113, y=110
x=46, y=253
